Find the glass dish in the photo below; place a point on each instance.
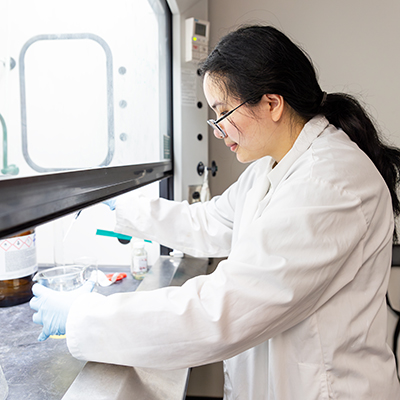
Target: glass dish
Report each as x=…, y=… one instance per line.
x=63, y=278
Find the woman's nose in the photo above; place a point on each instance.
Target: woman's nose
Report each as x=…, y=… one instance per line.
x=218, y=134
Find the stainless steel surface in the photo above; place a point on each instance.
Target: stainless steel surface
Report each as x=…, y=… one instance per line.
x=106, y=381
x=45, y=370
x=171, y=271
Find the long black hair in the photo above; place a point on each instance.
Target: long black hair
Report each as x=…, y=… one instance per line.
x=257, y=60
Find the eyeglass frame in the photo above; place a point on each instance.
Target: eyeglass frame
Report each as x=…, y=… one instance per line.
x=214, y=123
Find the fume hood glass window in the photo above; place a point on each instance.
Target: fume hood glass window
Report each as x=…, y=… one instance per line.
x=83, y=84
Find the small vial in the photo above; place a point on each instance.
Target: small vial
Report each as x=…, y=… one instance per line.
x=138, y=261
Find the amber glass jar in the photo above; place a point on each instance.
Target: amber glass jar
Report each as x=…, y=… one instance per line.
x=18, y=265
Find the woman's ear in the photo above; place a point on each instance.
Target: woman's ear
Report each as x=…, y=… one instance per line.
x=275, y=106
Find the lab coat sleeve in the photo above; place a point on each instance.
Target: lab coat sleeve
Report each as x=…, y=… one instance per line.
x=199, y=229
x=287, y=264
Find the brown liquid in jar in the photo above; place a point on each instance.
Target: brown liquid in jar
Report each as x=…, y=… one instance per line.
x=16, y=291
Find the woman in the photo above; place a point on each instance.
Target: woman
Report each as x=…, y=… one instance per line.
x=297, y=310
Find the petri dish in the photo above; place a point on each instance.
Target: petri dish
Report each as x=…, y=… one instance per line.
x=62, y=279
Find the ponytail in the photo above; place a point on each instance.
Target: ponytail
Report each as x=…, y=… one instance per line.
x=255, y=60
x=345, y=112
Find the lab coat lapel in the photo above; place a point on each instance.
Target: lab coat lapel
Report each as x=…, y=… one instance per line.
x=254, y=196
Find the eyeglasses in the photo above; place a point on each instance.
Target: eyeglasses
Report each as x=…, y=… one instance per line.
x=218, y=131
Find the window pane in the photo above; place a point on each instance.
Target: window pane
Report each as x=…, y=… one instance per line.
x=65, y=102
x=82, y=84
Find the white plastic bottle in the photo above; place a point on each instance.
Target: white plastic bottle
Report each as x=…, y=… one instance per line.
x=138, y=261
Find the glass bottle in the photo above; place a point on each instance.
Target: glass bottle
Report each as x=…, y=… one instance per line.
x=18, y=265
x=138, y=261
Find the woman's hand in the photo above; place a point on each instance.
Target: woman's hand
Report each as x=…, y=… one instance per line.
x=110, y=203
x=53, y=307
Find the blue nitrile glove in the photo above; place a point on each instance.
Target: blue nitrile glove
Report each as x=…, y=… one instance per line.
x=110, y=203
x=53, y=307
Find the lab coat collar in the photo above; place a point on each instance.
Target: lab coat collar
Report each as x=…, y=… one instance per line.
x=311, y=130
x=258, y=197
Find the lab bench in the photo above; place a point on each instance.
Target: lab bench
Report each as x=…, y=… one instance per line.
x=46, y=370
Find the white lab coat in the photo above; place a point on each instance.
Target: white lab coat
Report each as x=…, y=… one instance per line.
x=297, y=311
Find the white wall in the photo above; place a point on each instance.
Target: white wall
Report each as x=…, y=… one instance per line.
x=355, y=46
